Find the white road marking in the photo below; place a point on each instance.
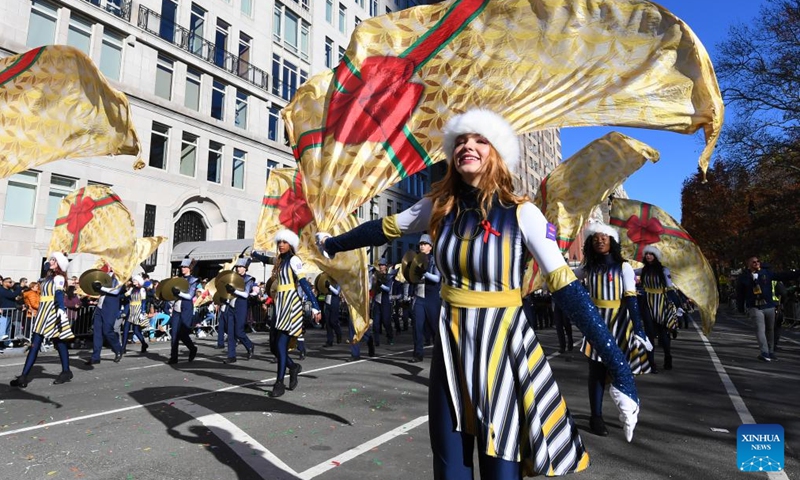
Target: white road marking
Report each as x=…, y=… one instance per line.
x=361, y=449
x=261, y=460
x=738, y=404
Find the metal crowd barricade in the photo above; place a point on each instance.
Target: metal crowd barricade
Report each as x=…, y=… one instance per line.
x=19, y=327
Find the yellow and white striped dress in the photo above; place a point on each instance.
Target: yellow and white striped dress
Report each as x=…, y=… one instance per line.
x=47, y=322
x=496, y=369
x=662, y=311
x=606, y=289
x=135, y=315
x=288, y=304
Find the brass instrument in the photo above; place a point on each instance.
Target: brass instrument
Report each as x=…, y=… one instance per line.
x=225, y=278
x=418, y=264
x=94, y=275
x=320, y=283
x=164, y=289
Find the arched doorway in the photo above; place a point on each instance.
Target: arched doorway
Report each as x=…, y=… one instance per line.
x=190, y=227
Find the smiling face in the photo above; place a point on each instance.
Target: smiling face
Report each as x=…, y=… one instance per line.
x=471, y=156
x=753, y=264
x=601, y=243
x=53, y=263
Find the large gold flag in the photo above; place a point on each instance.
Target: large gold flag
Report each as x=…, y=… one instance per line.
x=284, y=206
x=378, y=117
x=569, y=193
x=56, y=104
x=643, y=224
x=145, y=246
x=93, y=220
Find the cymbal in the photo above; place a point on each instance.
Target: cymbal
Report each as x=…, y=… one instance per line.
x=166, y=287
x=218, y=300
x=320, y=283
x=271, y=288
x=225, y=278
x=405, y=263
x=378, y=280
x=94, y=275
x=418, y=263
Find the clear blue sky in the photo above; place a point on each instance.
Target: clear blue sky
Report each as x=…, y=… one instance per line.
x=660, y=183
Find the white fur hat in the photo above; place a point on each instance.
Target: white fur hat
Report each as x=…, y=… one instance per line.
x=61, y=259
x=600, y=227
x=494, y=127
x=654, y=250
x=138, y=279
x=289, y=237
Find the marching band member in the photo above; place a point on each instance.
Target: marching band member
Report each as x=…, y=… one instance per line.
x=235, y=311
x=105, y=316
x=180, y=321
x=490, y=380
x=427, y=301
x=51, y=322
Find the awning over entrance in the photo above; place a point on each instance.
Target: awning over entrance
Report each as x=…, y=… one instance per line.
x=216, y=250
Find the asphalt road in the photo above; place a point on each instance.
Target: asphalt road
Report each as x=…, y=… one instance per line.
x=143, y=419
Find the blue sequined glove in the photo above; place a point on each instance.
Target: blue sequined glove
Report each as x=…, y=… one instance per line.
x=576, y=304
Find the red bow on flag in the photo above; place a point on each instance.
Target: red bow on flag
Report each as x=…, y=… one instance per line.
x=644, y=231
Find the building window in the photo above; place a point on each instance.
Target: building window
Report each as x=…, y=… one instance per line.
x=342, y=19
x=159, y=142
x=329, y=11
x=241, y=110
x=240, y=229
x=341, y=53
x=244, y=54
x=292, y=25
x=247, y=7
x=166, y=28
x=188, y=154
x=214, y=173
x=286, y=77
x=196, y=26
x=305, y=40
x=218, y=100
x=373, y=8
x=277, y=22
x=270, y=165
x=237, y=176
x=328, y=52
x=389, y=208
x=164, y=69
x=149, y=228
x=190, y=227
x=111, y=54
x=274, y=115
x=357, y=22
x=79, y=34
x=192, y=99
x=60, y=187
x=221, y=44
x=21, y=193
x=42, y=24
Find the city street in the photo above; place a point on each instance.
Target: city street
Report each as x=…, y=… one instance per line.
x=143, y=419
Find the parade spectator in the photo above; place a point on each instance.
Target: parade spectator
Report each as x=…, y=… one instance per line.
x=754, y=293
x=31, y=299
x=9, y=293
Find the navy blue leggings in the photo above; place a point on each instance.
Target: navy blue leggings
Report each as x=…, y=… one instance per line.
x=597, y=387
x=137, y=331
x=36, y=345
x=452, y=450
x=282, y=352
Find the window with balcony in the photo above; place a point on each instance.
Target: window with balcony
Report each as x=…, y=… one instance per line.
x=42, y=24
x=244, y=54
x=237, y=170
x=164, y=71
x=21, y=193
x=240, y=120
x=218, y=100
x=111, y=54
x=196, y=26
x=188, y=154
x=79, y=34
x=166, y=27
x=214, y=170
x=192, y=98
x=221, y=43
x=60, y=187
x=159, y=143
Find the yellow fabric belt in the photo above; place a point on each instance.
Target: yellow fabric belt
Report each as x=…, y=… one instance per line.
x=48, y=298
x=606, y=303
x=136, y=302
x=463, y=298
x=654, y=291
x=286, y=288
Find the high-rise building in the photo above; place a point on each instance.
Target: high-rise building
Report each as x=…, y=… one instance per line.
x=206, y=80
x=541, y=153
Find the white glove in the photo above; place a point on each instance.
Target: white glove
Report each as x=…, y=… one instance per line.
x=321, y=236
x=680, y=312
x=628, y=411
x=643, y=342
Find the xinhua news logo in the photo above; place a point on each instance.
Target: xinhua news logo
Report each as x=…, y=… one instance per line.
x=759, y=448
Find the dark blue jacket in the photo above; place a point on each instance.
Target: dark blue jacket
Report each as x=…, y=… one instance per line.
x=745, y=288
